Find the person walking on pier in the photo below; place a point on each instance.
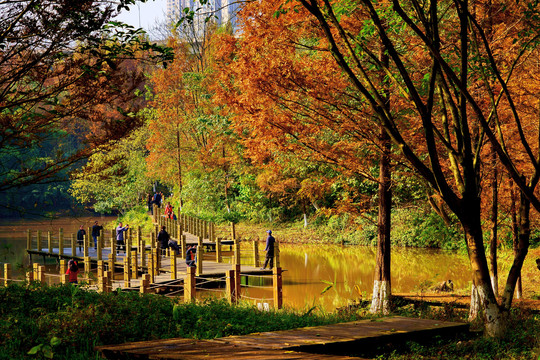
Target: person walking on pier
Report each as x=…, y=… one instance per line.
x=80, y=237
x=95, y=233
x=163, y=239
x=120, y=230
x=269, y=250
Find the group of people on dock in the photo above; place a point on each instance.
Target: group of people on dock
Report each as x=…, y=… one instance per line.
x=95, y=231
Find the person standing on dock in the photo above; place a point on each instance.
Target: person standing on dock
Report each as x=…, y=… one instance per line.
x=270, y=240
x=95, y=233
x=163, y=239
x=80, y=237
x=120, y=230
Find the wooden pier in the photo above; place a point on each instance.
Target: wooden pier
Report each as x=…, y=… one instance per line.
x=143, y=266
x=337, y=341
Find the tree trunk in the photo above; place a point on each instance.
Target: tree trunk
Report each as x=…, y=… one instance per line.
x=179, y=164
x=494, y=216
x=382, y=290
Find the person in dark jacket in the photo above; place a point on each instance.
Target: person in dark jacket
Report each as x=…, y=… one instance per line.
x=80, y=237
x=95, y=233
x=269, y=250
x=163, y=239
x=120, y=230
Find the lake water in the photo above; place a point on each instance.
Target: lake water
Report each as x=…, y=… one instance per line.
x=326, y=276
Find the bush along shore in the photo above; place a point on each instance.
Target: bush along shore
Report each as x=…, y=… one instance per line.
x=67, y=322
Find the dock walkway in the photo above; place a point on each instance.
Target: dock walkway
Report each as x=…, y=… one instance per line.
x=336, y=341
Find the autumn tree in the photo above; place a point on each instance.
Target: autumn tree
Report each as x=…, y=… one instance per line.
x=433, y=49
x=59, y=62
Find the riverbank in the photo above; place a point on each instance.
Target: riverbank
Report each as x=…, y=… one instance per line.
x=67, y=322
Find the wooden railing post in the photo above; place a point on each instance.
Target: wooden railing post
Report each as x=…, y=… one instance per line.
x=64, y=278
x=108, y=279
x=145, y=282
x=173, y=266
x=237, y=257
x=199, y=270
x=35, y=267
x=151, y=263
x=256, y=261
x=28, y=239
x=189, y=285
x=85, y=245
x=233, y=231
x=7, y=274
x=278, y=287
x=41, y=274
x=100, y=269
x=237, y=282
x=29, y=276
x=134, y=268
x=87, y=267
x=127, y=278
x=276, y=255
x=112, y=261
x=63, y=266
x=73, y=246
x=49, y=242
x=61, y=241
x=99, y=249
x=155, y=263
x=39, y=240
x=229, y=285
x=183, y=247
x=218, y=250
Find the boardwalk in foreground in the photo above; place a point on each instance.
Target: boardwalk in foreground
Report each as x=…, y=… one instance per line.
x=335, y=341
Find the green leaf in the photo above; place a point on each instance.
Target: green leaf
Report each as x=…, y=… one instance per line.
x=35, y=349
x=55, y=341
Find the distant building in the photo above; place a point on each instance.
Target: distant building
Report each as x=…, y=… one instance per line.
x=223, y=11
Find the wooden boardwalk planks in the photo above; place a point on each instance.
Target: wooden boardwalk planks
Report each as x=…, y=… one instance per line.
x=337, y=339
x=203, y=349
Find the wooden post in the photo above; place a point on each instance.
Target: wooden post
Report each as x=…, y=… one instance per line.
x=236, y=252
x=189, y=285
x=276, y=255
x=183, y=247
x=28, y=239
x=155, y=260
x=200, y=241
x=134, y=269
x=49, y=242
x=145, y=281
x=39, y=240
x=229, y=280
x=64, y=278
x=87, y=267
x=212, y=232
x=99, y=249
x=256, y=261
x=85, y=245
x=101, y=240
x=127, y=282
x=35, y=267
x=107, y=279
x=278, y=288
x=41, y=274
x=237, y=282
x=61, y=241
x=218, y=250
x=63, y=267
x=178, y=230
x=233, y=231
x=7, y=274
x=199, y=270
x=158, y=258
x=29, y=276
x=143, y=254
x=112, y=261
x=173, y=266
x=151, y=266
x=73, y=246
x=100, y=268
x=128, y=243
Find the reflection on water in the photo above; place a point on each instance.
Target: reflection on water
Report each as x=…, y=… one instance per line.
x=345, y=272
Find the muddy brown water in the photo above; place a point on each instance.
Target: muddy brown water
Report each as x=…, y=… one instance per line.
x=324, y=276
